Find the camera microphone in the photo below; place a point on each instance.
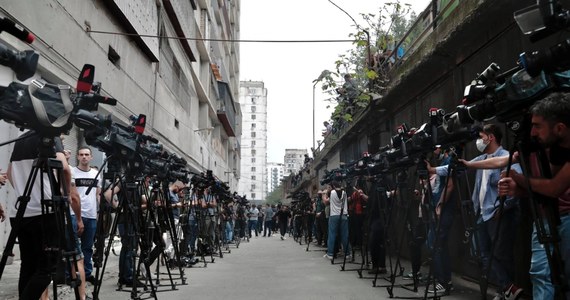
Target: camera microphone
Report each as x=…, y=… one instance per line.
x=16, y=30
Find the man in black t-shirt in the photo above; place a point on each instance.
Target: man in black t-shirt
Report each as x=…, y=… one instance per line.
x=37, y=230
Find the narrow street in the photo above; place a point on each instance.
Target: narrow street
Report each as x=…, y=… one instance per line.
x=264, y=268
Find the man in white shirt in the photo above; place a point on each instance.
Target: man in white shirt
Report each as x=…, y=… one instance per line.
x=83, y=177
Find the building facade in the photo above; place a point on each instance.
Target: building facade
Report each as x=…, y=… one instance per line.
x=187, y=87
x=275, y=173
x=253, y=103
x=294, y=160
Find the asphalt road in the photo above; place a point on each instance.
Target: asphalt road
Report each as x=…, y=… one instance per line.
x=263, y=268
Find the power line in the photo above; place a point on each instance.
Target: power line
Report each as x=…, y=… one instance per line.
x=218, y=40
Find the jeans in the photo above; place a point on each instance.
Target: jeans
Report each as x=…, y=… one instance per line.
x=442, y=262
x=268, y=228
x=87, y=240
x=229, y=231
x=190, y=234
x=128, y=247
x=35, y=233
x=334, y=223
x=540, y=270
x=252, y=225
x=502, y=267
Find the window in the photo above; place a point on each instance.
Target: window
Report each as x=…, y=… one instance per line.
x=253, y=177
x=253, y=159
x=252, y=143
x=253, y=108
x=253, y=117
x=253, y=125
x=252, y=100
x=253, y=169
x=113, y=56
x=253, y=186
x=253, y=134
x=252, y=195
x=253, y=152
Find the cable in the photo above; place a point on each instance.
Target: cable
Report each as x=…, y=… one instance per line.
x=218, y=40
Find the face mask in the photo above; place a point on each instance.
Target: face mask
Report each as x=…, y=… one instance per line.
x=481, y=146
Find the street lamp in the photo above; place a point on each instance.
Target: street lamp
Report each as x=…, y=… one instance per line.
x=314, y=86
x=368, y=59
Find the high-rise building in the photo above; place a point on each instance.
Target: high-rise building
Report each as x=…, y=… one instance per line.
x=294, y=160
x=253, y=103
x=275, y=173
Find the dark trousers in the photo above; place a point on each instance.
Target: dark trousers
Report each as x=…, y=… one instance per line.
x=442, y=263
x=502, y=268
x=283, y=227
x=36, y=234
x=128, y=249
x=377, y=244
x=355, y=227
x=268, y=228
x=322, y=228
x=417, y=234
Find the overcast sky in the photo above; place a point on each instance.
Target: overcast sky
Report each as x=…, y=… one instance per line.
x=288, y=69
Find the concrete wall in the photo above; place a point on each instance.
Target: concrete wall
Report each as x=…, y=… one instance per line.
x=170, y=81
x=474, y=35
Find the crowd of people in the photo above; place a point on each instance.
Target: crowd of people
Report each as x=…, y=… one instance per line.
x=359, y=212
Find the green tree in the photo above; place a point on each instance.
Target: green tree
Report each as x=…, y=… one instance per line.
x=388, y=25
x=276, y=196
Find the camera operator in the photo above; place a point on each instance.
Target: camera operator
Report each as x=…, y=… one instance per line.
x=551, y=128
x=484, y=197
x=128, y=238
x=336, y=197
x=36, y=230
x=377, y=223
x=174, y=206
x=321, y=219
x=357, y=206
x=209, y=204
x=438, y=234
x=83, y=178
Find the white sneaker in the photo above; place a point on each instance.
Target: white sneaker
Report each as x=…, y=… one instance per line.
x=327, y=257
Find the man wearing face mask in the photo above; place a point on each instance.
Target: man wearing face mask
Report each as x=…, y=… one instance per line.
x=486, y=206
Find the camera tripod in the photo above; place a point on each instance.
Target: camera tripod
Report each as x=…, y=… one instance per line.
x=534, y=162
x=129, y=215
x=58, y=237
x=160, y=216
x=405, y=203
x=379, y=211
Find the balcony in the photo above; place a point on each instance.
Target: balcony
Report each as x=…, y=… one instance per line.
x=226, y=108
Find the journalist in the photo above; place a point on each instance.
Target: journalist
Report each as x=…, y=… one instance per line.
x=338, y=220
x=36, y=230
x=551, y=128
x=485, y=193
